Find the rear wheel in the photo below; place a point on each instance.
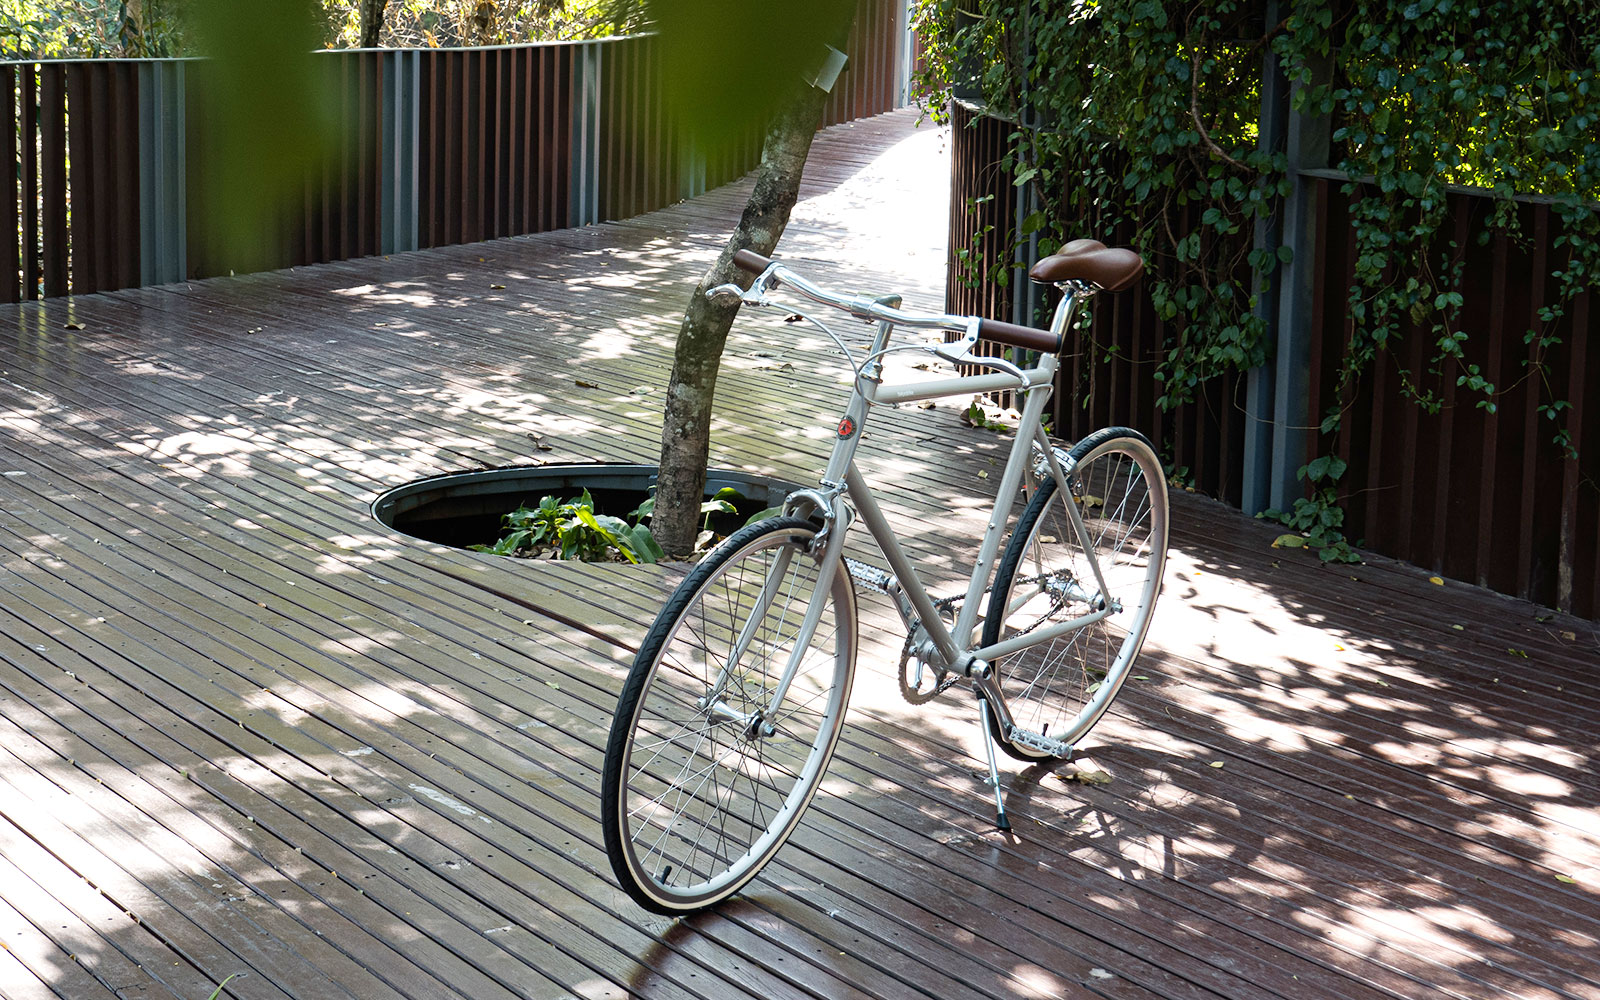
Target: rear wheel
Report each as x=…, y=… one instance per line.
x=702, y=784
x=1057, y=690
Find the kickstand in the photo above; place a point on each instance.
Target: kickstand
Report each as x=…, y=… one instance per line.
x=1000, y=819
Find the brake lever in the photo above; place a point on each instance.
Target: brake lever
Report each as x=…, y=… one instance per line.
x=757, y=293
x=960, y=352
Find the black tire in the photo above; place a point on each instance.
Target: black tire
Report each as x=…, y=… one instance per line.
x=1057, y=690
x=695, y=799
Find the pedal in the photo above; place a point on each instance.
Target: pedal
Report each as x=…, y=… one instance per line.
x=1043, y=744
x=868, y=575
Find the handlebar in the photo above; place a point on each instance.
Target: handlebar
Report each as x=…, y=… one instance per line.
x=1000, y=332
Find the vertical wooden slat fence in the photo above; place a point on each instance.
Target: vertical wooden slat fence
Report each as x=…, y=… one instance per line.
x=494, y=131
x=873, y=78
x=1480, y=496
x=53, y=176
x=1487, y=497
x=105, y=208
x=12, y=252
x=108, y=188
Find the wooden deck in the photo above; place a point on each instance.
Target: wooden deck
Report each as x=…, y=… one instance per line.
x=245, y=729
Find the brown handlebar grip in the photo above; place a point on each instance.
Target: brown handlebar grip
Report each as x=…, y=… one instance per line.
x=751, y=261
x=1019, y=336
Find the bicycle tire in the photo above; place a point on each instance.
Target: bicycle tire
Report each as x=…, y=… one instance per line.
x=1057, y=690
x=695, y=800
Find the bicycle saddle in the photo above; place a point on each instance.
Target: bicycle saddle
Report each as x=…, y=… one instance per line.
x=1112, y=268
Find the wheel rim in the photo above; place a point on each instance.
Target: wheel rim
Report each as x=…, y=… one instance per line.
x=711, y=791
x=1059, y=689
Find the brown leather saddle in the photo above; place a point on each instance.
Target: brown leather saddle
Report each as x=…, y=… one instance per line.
x=1112, y=268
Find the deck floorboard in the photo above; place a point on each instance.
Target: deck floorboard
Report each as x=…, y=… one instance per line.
x=244, y=728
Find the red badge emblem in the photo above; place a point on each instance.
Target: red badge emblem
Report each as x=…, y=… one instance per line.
x=847, y=427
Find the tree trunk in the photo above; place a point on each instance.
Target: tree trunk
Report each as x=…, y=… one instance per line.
x=686, y=428
x=371, y=22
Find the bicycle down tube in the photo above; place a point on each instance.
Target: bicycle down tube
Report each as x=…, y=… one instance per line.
x=736, y=698
x=1036, y=383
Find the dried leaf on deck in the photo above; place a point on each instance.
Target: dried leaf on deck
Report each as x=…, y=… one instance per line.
x=1087, y=777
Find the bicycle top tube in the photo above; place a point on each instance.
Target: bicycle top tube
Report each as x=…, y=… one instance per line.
x=975, y=327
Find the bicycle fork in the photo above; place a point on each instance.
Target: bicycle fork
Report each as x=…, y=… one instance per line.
x=759, y=723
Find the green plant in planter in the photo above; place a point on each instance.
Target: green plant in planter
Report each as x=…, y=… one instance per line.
x=571, y=529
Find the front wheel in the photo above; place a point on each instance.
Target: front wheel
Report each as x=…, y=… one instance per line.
x=1058, y=689
x=705, y=779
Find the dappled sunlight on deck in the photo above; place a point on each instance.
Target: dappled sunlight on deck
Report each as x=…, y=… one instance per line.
x=248, y=728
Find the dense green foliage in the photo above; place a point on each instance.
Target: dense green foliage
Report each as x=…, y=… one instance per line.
x=1143, y=116
x=444, y=23
x=55, y=29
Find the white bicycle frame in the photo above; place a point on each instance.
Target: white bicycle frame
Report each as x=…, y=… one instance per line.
x=842, y=479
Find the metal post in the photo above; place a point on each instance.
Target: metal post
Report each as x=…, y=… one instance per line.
x=691, y=168
x=163, y=202
x=586, y=134
x=906, y=56
x=1256, y=493
x=402, y=99
x=1026, y=295
x=1308, y=140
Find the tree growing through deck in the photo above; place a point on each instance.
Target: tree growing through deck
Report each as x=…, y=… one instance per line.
x=725, y=65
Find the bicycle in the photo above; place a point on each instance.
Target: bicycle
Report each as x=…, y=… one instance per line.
x=736, y=699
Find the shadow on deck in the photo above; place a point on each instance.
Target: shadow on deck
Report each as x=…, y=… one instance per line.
x=243, y=728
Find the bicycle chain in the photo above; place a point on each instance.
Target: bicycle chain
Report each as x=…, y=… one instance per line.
x=943, y=680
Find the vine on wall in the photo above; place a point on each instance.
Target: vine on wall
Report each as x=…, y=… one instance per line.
x=1140, y=117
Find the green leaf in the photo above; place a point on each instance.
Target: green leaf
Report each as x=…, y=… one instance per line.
x=762, y=515
x=586, y=516
x=643, y=544
x=1289, y=541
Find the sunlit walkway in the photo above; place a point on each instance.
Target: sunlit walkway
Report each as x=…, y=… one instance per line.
x=246, y=729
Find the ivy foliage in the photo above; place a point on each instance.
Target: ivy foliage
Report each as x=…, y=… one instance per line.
x=1138, y=121
x=1108, y=97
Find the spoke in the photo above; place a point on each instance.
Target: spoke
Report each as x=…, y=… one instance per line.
x=700, y=794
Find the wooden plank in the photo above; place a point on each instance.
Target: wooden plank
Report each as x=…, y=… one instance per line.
x=203, y=490
x=287, y=876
